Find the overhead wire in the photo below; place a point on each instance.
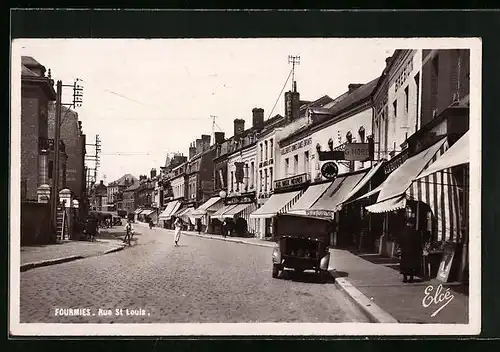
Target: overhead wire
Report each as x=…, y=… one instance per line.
x=279, y=96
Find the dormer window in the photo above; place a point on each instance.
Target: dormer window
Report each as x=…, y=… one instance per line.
x=349, y=137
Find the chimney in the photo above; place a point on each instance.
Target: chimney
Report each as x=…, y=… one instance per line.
x=198, y=145
x=292, y=105
x=239, y=127
x=142, y=178
x=153, y=173
x=258, y=118
x=388, y=61
x=219, y=137
x=353, y=86
x=205, y=138
x=192, y=151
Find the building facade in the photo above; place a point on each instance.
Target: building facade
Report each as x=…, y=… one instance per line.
x=37, y=90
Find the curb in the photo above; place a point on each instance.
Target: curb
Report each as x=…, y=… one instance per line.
x=371, y=310
x=34, y=265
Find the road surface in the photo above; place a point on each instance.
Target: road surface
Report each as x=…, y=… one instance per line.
x=202, y=281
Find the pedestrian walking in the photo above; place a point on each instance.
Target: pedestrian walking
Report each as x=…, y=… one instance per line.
x=198, y=225
x=129, y=232
x=178, y=226
x=411, y=248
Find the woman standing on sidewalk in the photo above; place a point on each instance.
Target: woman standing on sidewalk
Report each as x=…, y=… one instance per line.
x=411, y=247
x=178, y=226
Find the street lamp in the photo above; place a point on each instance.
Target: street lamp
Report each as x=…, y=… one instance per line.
x=222, y=194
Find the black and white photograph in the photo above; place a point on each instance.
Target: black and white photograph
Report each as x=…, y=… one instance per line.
x=245, y=186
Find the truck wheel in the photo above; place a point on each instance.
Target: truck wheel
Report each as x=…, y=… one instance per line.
x=275, y=271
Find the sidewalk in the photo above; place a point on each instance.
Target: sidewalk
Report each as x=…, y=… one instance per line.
x=382, y=285
x=37, y=256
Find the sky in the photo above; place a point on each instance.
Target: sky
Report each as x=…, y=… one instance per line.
x=149, y=97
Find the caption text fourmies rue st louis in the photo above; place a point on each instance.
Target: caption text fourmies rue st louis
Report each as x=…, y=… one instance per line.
x=65, y=312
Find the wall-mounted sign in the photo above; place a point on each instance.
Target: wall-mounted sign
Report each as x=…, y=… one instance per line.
x=291, y=181
x=321, y=213
x=357, y=151
x=329, y=170
x=297, y=145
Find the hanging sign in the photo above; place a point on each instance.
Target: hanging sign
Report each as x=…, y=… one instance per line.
x=329, y=170
x=445, y=265
x=357, y=151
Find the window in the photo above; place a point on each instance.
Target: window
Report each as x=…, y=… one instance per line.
x=266, y=150
x=261, y=180
x=406, y=98
x=252, y=172
x=261, y=152
x=306, y=162
x=386, y=135
x=417, y=83
x=232, y=181
x=287, y=166
x=295, y=164
x=270, y=178
x=265, y=180
x=51, y=168
x=395, y=108
x=246, y=180
x=271, y=148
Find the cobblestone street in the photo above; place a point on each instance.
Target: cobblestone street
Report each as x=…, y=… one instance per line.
x=200, y=281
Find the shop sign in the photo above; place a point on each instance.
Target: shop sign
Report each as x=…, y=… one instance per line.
x=357, y=151
x=329, y=170
x=297, y=145
x=321, y=213
x=291, y=181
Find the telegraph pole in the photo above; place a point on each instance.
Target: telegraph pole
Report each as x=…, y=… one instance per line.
x=77, y=102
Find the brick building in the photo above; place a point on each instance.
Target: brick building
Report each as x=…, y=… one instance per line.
x=129, y=195
x=73, y=170
x=36, y=92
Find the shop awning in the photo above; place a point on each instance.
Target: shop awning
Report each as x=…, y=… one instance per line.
x=458, y=154
x=147, y=212
x=171, y=208
x=209, y=205
x=336, y=194
x=277, y=203
x=364, y=181
x=401, y=179
x=137, y=211
x=185, y=214
x=219, y=213
x=310, y=196
x=236, y=210
x=366, y=195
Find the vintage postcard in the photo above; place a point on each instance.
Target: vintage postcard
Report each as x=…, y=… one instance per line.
x=245, y=187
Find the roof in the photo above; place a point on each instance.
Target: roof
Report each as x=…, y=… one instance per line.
x=354, y=97
x=132, y=187
x=29, y=61
x=27, y=72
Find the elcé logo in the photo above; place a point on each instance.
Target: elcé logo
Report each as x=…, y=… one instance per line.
x=437, y=297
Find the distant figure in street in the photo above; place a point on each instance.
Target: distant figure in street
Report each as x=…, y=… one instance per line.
x=411, y=248
x=198, y=225
x=91, y=227
x=178, y=226
x=129, y=232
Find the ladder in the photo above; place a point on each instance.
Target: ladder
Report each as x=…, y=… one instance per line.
x=62, y=224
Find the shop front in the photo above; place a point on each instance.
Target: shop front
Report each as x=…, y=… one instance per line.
x=287, y=192
x=234, y=216
x=204, y=212
x=166, y=215
x=434, y=201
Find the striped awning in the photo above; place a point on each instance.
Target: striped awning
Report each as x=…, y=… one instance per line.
x=401, y=179
x=237, y=210
x=277, y=203
x=310, y=196
x=457, y=154
x=208, y=206
x=170, y=210
x=336, y=193
x=219, y=213
x=438, y=190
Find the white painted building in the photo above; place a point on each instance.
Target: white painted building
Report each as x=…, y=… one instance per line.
x=397, y=103
x=178, y=181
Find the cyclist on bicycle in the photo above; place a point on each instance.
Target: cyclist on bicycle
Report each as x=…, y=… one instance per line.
x=129, y=232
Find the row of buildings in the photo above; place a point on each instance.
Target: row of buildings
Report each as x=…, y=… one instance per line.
x=407, y=118
x=37, y=122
